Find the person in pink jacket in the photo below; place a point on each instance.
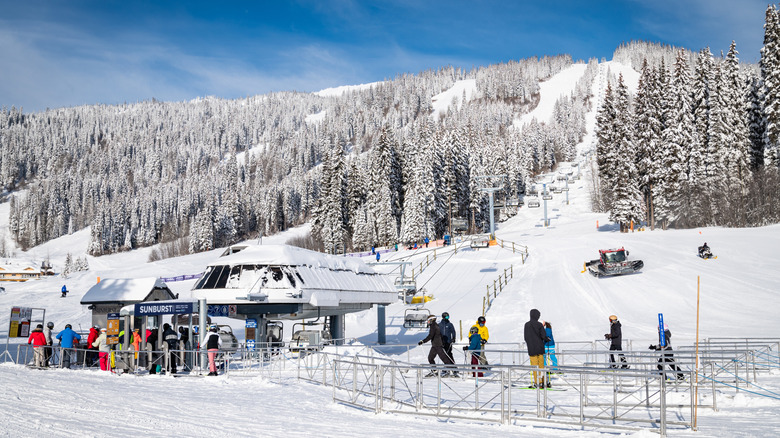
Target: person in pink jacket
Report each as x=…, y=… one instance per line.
x=38, y=341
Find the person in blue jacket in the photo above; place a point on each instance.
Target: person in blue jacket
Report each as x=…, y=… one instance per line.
x=549, y=347
x=475, y=347
x=67, y=338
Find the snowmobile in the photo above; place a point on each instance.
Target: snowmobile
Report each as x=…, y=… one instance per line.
x=613, y=262
x=706, y=253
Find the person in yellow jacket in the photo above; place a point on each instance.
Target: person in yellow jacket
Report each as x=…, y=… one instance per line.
x=483, y=333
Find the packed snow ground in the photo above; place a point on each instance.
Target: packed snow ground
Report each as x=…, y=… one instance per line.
x=740, y=297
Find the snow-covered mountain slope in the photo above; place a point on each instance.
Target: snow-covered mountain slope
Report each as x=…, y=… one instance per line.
x=739, y=296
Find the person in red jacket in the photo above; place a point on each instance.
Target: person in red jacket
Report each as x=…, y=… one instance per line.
x=92, y=352
x=38, y=341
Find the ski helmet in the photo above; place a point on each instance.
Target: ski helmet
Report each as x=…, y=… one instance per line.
x=68, y=326
x=431, y=319
x=481, y=320
x=445, y=315
x=473, y=330
x=213, y=328
x=50, y=324
x=612, y=317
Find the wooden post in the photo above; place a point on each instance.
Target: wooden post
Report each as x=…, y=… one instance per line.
x=483, y=305
x=513, y=247
x=511, y=272
x=487, y=286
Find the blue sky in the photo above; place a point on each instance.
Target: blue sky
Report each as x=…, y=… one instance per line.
x=56, y=53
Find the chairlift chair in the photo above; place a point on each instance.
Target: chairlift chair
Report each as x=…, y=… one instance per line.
x=416, y=318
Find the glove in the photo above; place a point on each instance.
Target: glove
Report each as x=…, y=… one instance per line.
x=483, y=342
x=607, y=336
x=652, y=347
x=465, y=347
x=420, y=343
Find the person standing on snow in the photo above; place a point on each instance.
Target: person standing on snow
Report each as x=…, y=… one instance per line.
x=434, y=335
x=616, y=336
x=92, y=358
x=549, y=347
x=38, y=341
x=103, y=349
x=49, y=343
x=667, y=356
x=66, y=338
x=212, y=342
x=447, y=334
x=535, y=338
x=475, y=346
x=171, y=339
x=483, y=333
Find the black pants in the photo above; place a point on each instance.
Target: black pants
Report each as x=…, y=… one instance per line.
x=438, y=351
x=612, y=356
x=668, y=358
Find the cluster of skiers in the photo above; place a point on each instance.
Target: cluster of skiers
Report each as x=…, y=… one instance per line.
x=539, y=342
x=98, y=349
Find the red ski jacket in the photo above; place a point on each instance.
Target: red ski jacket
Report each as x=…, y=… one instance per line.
x=37, y=338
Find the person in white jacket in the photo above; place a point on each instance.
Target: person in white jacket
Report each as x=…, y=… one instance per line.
x=103, y=349
x=212, y=342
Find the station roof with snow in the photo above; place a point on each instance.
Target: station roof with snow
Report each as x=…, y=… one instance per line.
x=125, y=290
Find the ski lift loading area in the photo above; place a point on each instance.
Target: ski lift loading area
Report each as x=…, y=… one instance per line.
x=281, y=282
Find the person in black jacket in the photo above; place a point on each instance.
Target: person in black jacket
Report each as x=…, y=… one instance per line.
x=447, y=334
x=434, y=335
x=154, y=359
x=535, y=338
x=667, y=356
x=171, y=339
x=616, y=336
x=212, y=343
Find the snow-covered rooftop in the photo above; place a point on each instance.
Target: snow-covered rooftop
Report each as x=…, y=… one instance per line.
x=123, y=290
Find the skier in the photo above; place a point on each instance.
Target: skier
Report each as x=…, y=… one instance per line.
x=667, y=357
x=434, y=335
x=38, y=341
x=616, y=336
x=64, y=291
x=475, y=346
x=483, y=333
x=213, y=343
x=103, y=349
x=49, y=343
x=67, y=338
x=447, y=334
x=171, y=339
x=535, y=338
x=549, y=347
x=94, y=332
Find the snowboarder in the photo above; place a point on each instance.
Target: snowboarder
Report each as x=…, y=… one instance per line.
x=434, y=335
x=549, y=347
x=67, y=338
x=667, y=357
x=475, y=346
x=535, y=338
x=38, y=341
x=616, y=336
x=447, y=334
x=213, y=343
x=64, y=291
x=483, y=333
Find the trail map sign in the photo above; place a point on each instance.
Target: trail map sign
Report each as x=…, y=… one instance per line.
x=20, y=322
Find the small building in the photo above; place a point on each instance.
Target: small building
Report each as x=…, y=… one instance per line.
x=110, y=295
x=10, y=271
